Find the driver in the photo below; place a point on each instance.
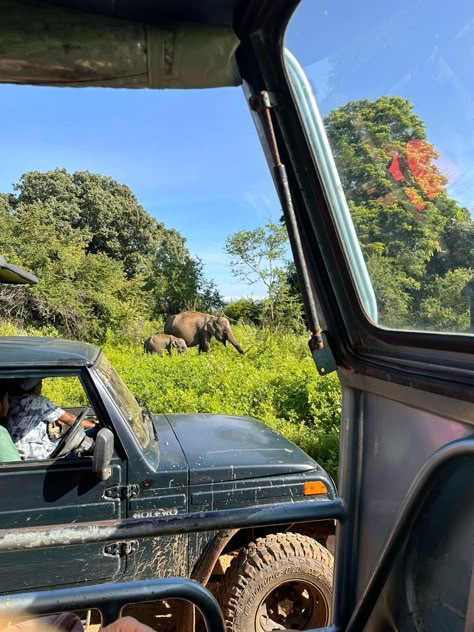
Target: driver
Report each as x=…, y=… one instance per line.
x=29, y=415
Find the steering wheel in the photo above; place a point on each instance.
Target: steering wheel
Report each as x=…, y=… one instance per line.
x=73, y=437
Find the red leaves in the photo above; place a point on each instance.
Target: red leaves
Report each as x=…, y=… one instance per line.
x=419, y=163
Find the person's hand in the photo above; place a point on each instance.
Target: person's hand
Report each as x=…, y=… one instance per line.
x=87, y=423
x=127, y=624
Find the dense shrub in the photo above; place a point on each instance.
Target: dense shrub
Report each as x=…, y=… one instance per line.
x=275, y=381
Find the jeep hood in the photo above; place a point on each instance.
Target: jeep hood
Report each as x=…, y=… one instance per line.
x=227, y=447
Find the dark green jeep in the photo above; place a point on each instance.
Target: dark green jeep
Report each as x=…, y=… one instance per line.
x=142, y=465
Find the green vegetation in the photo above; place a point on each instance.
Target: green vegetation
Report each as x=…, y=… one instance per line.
x=417, y=241
x=274, y=381
x=103, y=262
x=260, y=255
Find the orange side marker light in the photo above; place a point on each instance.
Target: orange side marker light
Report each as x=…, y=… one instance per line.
x=310, y=488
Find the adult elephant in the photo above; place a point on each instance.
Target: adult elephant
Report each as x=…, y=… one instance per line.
x=197, y=328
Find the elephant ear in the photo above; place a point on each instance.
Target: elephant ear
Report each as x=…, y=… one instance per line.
x=210, y=326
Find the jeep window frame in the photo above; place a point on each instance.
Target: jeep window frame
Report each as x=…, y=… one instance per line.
x=49, y=373
x=431, y=361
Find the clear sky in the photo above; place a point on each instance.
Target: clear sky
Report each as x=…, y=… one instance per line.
x=193, y=157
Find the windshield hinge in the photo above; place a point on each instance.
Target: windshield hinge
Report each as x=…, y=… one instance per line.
x=265, y=99
x=118, y=549
x=122, y=491
x=322, y=355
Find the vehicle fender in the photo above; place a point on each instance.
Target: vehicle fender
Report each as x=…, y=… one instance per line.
x=206, y=562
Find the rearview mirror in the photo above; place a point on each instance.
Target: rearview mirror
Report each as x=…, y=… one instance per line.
x=104, y=448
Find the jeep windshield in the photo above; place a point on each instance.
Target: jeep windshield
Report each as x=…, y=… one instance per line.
x=124, y=400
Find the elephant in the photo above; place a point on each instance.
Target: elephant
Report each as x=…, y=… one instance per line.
x=159, y=342
x=197, y=328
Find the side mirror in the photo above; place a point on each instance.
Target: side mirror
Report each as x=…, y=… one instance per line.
x=103, y=451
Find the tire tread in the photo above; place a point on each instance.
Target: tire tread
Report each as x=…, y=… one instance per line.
x=272, y=550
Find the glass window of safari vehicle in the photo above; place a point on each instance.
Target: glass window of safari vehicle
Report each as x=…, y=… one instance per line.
x=124, y=400
x=187, y=183
x=387, y=97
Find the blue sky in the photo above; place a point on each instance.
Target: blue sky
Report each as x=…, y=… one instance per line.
x=193, y=158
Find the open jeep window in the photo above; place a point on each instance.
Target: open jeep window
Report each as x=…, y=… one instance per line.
x=66, y=392
x=394, y=98
x=36, y=415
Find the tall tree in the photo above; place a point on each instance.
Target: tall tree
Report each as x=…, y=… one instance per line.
x=177, y=280
x=81, y=294
x=106, y=212
x=102, y=260
x=409, y=228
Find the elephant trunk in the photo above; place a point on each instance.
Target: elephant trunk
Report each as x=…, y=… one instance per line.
x=234, y=343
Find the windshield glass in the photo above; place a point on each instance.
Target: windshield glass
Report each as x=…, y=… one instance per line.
x=393, y=87
x=124, y=400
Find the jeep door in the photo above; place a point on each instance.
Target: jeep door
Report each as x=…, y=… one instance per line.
x=377, y=195
x=157, y=475
x=53, y=492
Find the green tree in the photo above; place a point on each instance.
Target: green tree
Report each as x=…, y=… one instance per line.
x=245, y=310
x=176, y=280
x=411, y=232
x=79, y=293
x=62, y=226
x=259, y=255
x=107, y=214
x=445, y=304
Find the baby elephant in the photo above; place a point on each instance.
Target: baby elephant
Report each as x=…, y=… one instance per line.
x=159, y=342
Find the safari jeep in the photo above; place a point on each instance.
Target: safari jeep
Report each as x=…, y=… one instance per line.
x=405, y=510
x=141, y=465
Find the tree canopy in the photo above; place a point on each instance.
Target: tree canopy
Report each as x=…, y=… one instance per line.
x=260, y=254
x=103, y=261
x=417, y=241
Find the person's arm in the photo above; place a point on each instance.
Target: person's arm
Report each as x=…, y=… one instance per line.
x=69, y=419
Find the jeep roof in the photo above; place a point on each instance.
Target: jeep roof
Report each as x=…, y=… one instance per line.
x=37, y=352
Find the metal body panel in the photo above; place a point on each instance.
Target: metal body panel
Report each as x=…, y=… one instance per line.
x=31, y=352
x=47, y=493
x=439, y=557
x=228, y=447
x=398, y=440
x=257, y=491
x=163, y=492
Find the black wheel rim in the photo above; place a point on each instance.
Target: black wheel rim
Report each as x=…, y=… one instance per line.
x=293, y=605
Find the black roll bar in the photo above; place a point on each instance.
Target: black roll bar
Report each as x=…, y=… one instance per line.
x=110, y=599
